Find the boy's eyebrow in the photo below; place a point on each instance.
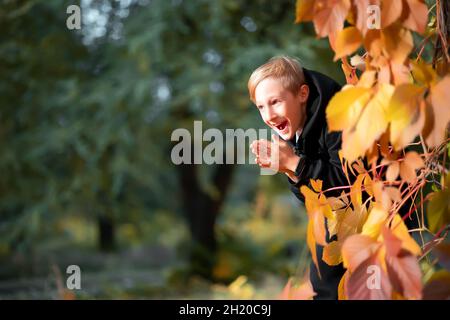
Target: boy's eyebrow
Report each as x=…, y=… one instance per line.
x=268, y=99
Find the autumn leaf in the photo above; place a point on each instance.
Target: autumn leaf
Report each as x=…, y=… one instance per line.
x=402, y=267
x=401, y=113
x=374, y=119
x=392, y=171
x=397, y=43
x=344, y=108
x=316, y=185
x=368, y=282
x=341, y=287
x=362, y=14
x=423, y=73
x=310, y=240
x=329, y=16
x=367, y=79
x=332, y=253
x=409, y=165
x=304, y=10
x=375, y=220
x=416, y=15
x=303, y=291
x=347, y=41
x=438, y=116
x=400, y=230
x=357, y=249
x=390, y=12
x=356, y=192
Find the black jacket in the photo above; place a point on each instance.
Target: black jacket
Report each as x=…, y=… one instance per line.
x=318, y=150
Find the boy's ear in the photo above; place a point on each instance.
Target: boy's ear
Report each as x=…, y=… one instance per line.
x=304, y=93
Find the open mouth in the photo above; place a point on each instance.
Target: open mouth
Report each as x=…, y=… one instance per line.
x=282, y=125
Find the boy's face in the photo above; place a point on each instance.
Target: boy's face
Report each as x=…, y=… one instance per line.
x=281, y=110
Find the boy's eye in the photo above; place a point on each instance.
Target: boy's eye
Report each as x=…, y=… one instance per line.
x=259, y=107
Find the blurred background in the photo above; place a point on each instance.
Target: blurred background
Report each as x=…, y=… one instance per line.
x=85, y=140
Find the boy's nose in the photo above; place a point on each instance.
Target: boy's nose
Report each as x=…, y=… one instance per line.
x=270, y=114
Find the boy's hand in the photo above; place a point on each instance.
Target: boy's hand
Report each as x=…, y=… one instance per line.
x=267, y=152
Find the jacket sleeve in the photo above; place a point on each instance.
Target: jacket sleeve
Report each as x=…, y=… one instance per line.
x=326, y=167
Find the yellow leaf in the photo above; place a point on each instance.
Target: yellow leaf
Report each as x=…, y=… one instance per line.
x=347, y=41
x=344, y=108
x=312, y=244
x=375, y=220
x=423, y=73
x=400, y=230
x=373, y=121
x=356, y=192
x=341, y=287
x=367, y=79
x=402, y=109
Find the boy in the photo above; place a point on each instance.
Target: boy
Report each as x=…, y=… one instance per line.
x=292, y=101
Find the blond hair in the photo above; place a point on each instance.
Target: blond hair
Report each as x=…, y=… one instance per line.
x=287, y=69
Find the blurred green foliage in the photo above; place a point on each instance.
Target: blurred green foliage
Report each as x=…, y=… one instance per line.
x=86, y=117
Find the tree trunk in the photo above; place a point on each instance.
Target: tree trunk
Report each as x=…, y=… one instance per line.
x=201, y=210
x=106, y=233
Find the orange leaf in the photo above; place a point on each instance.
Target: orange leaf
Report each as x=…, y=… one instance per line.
x=357, y=249
x=341, y=286
x=316, y=184
x=392, y=171
x=332, y=253
x=302, y=292
x=438, y=116
x=416, y=13
x=362, y=15
x=402, y=267
x=390, y=12
x=368, y=282
x=397, y=43
x=329, y=16
x=304, y=10
x=312, y=244
x=410, y=164
x=349, y=72
x=347, y=41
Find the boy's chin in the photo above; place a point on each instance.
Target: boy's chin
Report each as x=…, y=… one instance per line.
x=286, y=135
